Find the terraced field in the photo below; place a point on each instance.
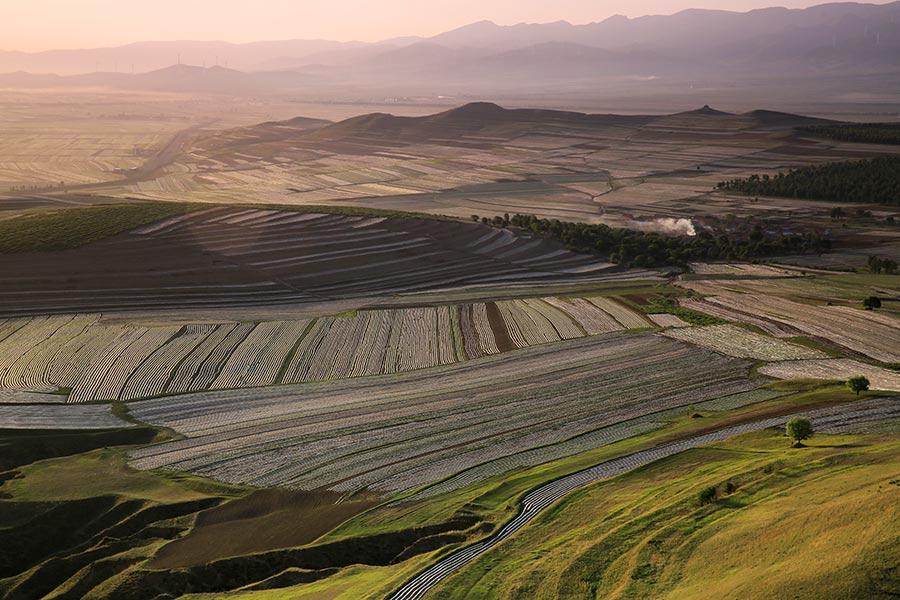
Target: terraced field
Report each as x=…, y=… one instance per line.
x=412, y=378
x=56, y=416
x=739, y=342
x=99, y=360
x=805, y=307
x=837, y=368
x=399, y=432
x=622, y=170
x=250, y=257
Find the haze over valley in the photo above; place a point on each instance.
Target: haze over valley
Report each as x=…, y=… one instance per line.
x=544, y=310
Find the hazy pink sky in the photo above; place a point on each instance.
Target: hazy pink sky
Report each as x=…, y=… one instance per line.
x=43, y=24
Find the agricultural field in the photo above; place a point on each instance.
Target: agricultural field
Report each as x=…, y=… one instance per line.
x=836, y=368
x=400, y=432
x=742, y=343
x=617, y=170
x=57, y=416
x=100, y=360
x=309, y=369
x=226, y=257
x=822, y=306
x=654, y=173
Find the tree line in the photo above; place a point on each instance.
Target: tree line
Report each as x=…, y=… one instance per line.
x=875, y=180
x=868, y=133
x=632, y=248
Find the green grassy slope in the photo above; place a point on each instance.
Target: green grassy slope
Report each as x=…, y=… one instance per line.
x=818, y=522
x=72, y=227
x=64, y=228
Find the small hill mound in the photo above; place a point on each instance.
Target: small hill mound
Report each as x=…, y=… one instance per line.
x=477, y=117
x=263, y=134
x=771, y=118
x=707, y=111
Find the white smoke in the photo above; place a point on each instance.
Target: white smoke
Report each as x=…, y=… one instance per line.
x=666, y=225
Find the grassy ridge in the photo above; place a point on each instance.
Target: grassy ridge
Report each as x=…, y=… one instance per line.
x=418, y=532
x=496, y=500
x=806, y=523
x=72, y=227
x=61, y=229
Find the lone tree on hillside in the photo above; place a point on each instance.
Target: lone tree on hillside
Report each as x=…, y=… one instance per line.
x=799, y=428
x=858, y=384
x=872, y=302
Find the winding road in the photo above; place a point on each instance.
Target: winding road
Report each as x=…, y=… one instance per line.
x=541, y=498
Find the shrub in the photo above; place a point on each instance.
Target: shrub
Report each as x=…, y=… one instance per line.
x=707, y=495
x=872, y=302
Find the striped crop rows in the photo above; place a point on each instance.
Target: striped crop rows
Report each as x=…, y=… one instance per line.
x=100, y=361
x=412, y=429
x=248, y=257
x=870, y=333
x=743, y=343
x=594, y=439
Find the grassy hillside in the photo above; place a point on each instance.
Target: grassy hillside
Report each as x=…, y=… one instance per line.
x=65, y=228
x=130, y=524
x=73, y=227
x=800, y=523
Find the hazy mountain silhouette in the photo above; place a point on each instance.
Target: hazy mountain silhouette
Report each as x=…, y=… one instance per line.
x=834, y=49
x=486, y=118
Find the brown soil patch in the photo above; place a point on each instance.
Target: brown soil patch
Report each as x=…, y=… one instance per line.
x=639, y=299
x=498, y=326
x=264, y=520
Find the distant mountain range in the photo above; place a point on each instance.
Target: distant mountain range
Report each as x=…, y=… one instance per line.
x=845, y=47
x=483, y=119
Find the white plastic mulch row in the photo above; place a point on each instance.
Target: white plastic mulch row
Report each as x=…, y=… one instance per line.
x=59, y=416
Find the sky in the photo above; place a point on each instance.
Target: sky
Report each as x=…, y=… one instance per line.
x=35, y=25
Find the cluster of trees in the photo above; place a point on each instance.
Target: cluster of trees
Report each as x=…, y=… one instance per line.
x=869, y=133
x=888, y=266
x=860, y=213
x=874, y=180
x=641, y=249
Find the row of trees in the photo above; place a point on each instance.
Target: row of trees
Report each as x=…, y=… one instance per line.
x=874, y=180
x=641, y=249
x=869, y=133
x=888, y=266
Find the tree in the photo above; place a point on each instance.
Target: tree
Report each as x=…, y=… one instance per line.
x=799, y=429
x=875, y=265
x=858, y=384
x=871, y=303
